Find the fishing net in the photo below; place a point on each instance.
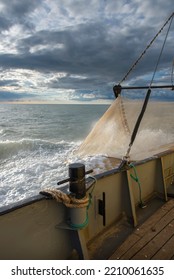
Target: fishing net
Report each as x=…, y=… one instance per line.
x=110, y=135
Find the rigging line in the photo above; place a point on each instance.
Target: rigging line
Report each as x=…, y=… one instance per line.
x=148, y=46
x=136, y=127
x=172, y=74
x=137, y=124
x=161, y=51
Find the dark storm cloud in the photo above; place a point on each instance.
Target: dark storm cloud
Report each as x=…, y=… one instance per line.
x=86, y=50
x=93, y=54
x=15, y=12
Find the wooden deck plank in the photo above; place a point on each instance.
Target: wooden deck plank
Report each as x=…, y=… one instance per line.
x=140, y=232
x=155, y=244
x=166, y=252
x=130, y=242
x=155, y=218
x=149, y=235
x=161, y=223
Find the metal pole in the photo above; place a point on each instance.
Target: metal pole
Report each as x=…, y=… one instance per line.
x=146, y=87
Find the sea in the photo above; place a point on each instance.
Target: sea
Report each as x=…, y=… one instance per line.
x=39, y=141
x=37, y=144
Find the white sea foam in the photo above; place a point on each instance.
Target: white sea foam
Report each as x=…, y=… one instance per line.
x=31, y=165
x=150, y=142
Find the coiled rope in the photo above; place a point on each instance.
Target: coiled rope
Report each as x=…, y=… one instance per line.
x=68, y=200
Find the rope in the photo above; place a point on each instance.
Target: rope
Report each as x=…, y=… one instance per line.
x=161, y=51
x=172, y=74
x=136, y=179
x=80, y=226
x=71, y=202
x=148, y=46
x=134, y=133
x=67, y=199
x=84, y=224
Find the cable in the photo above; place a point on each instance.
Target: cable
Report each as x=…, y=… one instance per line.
x=148, y=46
x=137, y=124
x=172, y=74
x=161, y=51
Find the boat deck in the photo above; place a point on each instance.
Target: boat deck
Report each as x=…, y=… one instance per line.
x=154, y=239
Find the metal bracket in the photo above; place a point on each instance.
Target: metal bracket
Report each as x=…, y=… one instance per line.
x=102, y=208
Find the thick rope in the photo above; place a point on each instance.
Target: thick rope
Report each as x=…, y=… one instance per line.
x=71, y=202
x=67, y=199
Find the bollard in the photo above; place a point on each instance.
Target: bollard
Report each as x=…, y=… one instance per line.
x=77, y=180
x=77, y=186
x=78, y=215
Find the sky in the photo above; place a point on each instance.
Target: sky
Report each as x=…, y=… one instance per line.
x=76, y=50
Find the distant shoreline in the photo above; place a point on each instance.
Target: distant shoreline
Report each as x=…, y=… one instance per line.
x=100, y=102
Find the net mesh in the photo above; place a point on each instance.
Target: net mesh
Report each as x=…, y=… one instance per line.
x=110, y=135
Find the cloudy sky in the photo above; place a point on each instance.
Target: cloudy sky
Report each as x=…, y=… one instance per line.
x=78, y=49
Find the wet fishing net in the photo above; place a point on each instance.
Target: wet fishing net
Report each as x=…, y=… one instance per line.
x=110, y=135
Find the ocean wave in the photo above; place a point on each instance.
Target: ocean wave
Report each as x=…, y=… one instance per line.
x=10, y=148
x=5, y=132
x=29, y=165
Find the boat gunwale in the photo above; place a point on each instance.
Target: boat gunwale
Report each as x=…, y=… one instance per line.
x=36, y=198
